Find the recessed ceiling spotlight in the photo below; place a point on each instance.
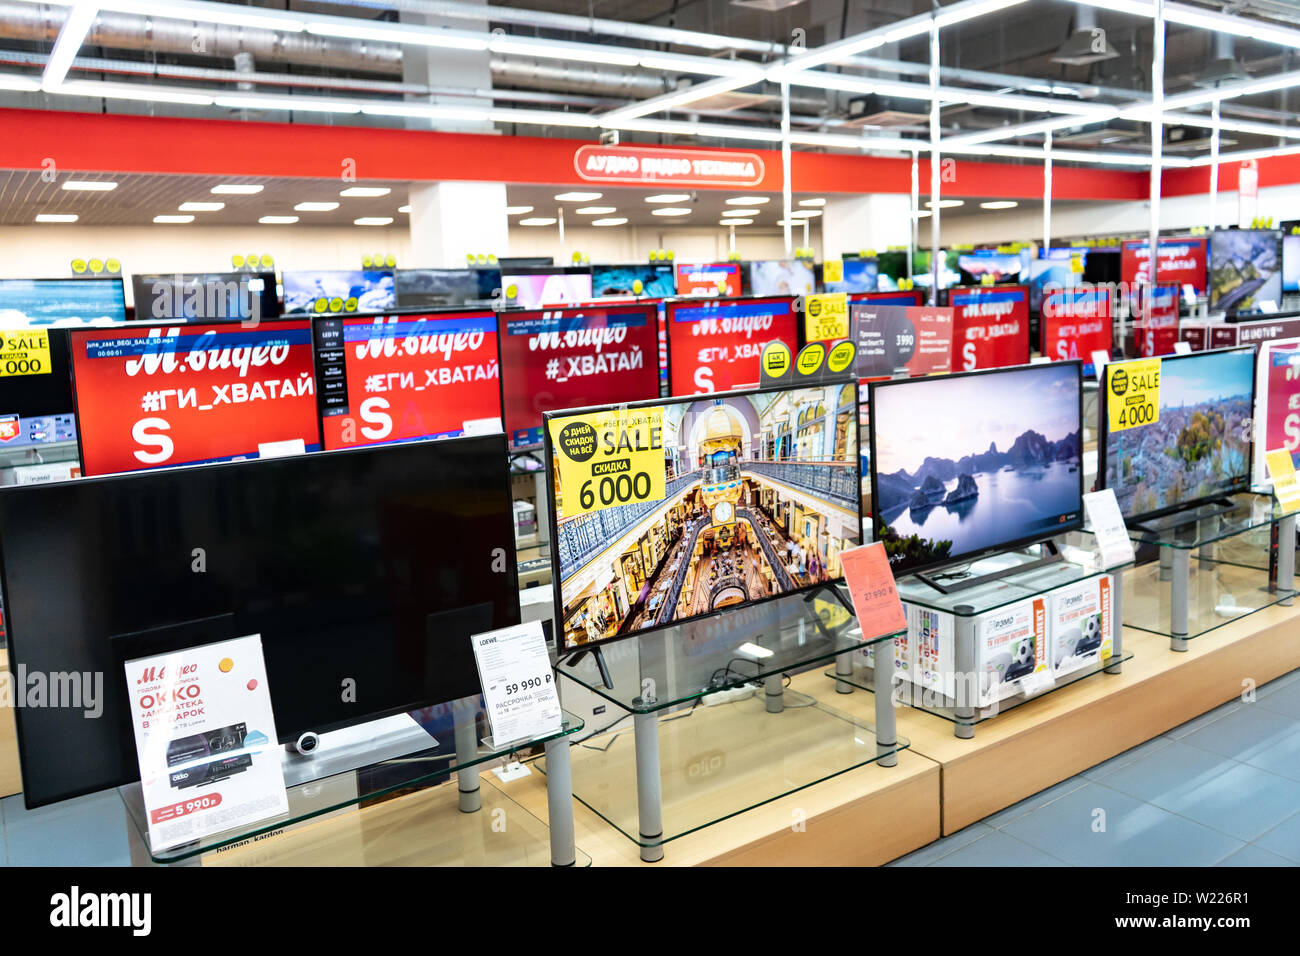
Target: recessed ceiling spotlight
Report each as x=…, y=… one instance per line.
x=812, y=202
x=201, y=206
x=538, y=221
x=671, y=211
x=742, y=212
x=373, y=221
x=596, y=210
x=668, y=197
x=365, y=192
x=406, y=208
x=736, y=222
x=237, y=189
x=578, y=197
x=89, y=185
x=518, y=210
x=56, y=217
x=316, y=206
x=609, y=222
x=174, y=220
x=277, y=220
x=805, y=213
x=945, y=203
x=999, y=204
x=748, y=200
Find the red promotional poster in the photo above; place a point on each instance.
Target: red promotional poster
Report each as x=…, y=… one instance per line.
x=398, y=378
x=990, y=327
x=893, y=337
x=717, y=279
x=570, y=358
x=1077, y=322
x=1156, y=312
x=1182, y=262
x=184, y=394
x=1280, y=381
x=715, y=346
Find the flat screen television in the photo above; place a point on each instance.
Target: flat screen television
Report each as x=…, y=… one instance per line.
x=1049, y=273
x=70, y=302
x=36, y=407
x=949, y=274
x=1245, y=269
x=331, y=293
x=568, y=358
x=890, y=268
x=762, y=496
x=715, y=346
x=545, y=286
x=781, y=277
x=148, y=396
x=1197, y=449
x=1001, y=266
x=1182, y=261
x=859, y=275
x=709, y=279
x=1291, y=263
x=374, y=564
x=653, y=280
x=204, y=296
x=445, y=288
x=968, y=464
x=407, y=377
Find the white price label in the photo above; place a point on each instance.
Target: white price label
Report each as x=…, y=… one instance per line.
x=1108, y=525
x=518, y=685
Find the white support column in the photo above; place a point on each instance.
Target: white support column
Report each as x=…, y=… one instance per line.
x=1157, y=131
x=913, y=221
x=787, y=199
x=1047, y=191
x=1214, y=165
x=451, y=220
x=873, y=221
x=935, y=265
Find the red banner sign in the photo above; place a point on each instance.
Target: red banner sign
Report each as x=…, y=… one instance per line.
x=667, y=167
x=1281, y=372
x=1156, y=311
x=715, y=346
x=717, y=279
x=990, y=327
x=397, y=378
x=1077, y=322
x=183, y=394
x=1182, y=261
x=892, y=337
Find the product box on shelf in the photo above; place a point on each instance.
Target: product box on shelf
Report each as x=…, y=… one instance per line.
x=1010, y=645
x=904, y=656
x=1079, y=621
x=931, y=632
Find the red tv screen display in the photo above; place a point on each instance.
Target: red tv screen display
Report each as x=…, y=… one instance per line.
x=1182, y=261
x=150, y=396
x=569, y=358
x=406, y=377
x=715, y=346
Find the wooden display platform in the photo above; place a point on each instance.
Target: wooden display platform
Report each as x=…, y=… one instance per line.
x=1042, y=742
x=11, y=781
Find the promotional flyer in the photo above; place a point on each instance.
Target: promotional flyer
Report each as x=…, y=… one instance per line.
x=181, y=395
x=1279, y=396
x=1182, y=261
x=1075, y=323
x=990, y=327
x=714, y=347
x=398, y=378
x=205, y=740
x=574, y=358
x=891, y=337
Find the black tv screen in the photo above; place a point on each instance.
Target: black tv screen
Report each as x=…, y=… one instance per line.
x=968, y=464
x=432, y=288
x=205, y=296
x=373, y=564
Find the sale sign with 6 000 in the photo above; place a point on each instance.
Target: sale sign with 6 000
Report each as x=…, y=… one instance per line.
x=609, y=458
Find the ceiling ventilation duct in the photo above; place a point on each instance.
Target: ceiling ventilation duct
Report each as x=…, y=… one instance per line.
x=1088, y=43
x=770, y=6
x=1224, y=68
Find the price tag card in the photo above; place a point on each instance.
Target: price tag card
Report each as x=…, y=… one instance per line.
x=1133, y=393
x=1182, y=348
x=871, y=585
x=1102, y=510
x=609, y=458
x=826, y=317
x=205, y=740
x=1286, y=485
x=25, y=352
x=1100, y=359
x=518, y=685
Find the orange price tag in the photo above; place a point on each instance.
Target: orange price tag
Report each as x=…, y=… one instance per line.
x=871, y=585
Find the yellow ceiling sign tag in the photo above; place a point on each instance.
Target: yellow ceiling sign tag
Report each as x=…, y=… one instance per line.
x=833, y=270
x=1132, y=393
x=609, y=458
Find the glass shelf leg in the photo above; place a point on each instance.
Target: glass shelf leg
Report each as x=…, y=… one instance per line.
x=967, y=680
x=649, y=795
x=844, y=668
x=1180, y=587
x=466, y=749
x=1116, y=621
x=1205, y=553
x=1286, y=557
x=1166, y=564
x=886, y=723
x=774, y=693
x=559, y=802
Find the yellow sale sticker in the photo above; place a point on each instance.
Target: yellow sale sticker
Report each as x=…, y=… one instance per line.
x=826, y=317
x=833, y=270
x=1132, y=393
x=25, y=352
x=609, y=458
x=1286, y=487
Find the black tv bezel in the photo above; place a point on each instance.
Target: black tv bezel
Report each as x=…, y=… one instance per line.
x=511, y=572
x=404, y=313
x=694, y=302
x=1209, y=266
x=505, y=316
x=134, y=327
x=553, y=518
x=1103, y=432
x=1010, y=544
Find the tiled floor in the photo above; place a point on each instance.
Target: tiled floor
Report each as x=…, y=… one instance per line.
x=1221, y=790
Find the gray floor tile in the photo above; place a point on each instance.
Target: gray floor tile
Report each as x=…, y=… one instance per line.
x=1127, y=757
x=1283, y=839
x=1210, y=717
x=1136, y=833
x=1245, y=732
x=1233, y=798
x=943, y=846
x=1042, y=798
x=1252, y=855
x=1281, y=697
x=997, y=849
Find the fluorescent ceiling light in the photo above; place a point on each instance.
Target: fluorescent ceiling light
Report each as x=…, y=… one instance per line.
x=1137, y=8
x=923, y=214
x=21, y=84
x=812, y=202
x=805, y=213
x=684, y=128
x=741, y=212
x=315, y=206
x=670, y=211
x=365, y=192
x=945, y=203
x=538, y=221
x=689, y=94
x=406, y=208
x=708, y=66
x=425, y=111
x=736, y=222
x=404, y=33
x=201, y=206
x=73, y=33
x=577, y=197
x=56, y=217
x=596, y=210
x=960, y=12
x=747, y=200
x=237, y=189
x=543, y=117
x=373, y=221
x=668, y=197
x=132, y=91
x=1224, y=23
x=618, y=221
x=227, y=13
x=277, y=220
x=90, y=185
x=173, y=219
x=518, y=210
x=999, y=204
x=553, y=49
x=257, y=101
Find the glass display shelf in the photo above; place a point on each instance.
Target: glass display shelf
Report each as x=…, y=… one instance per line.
x=1210, y=523
x=460, y=747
